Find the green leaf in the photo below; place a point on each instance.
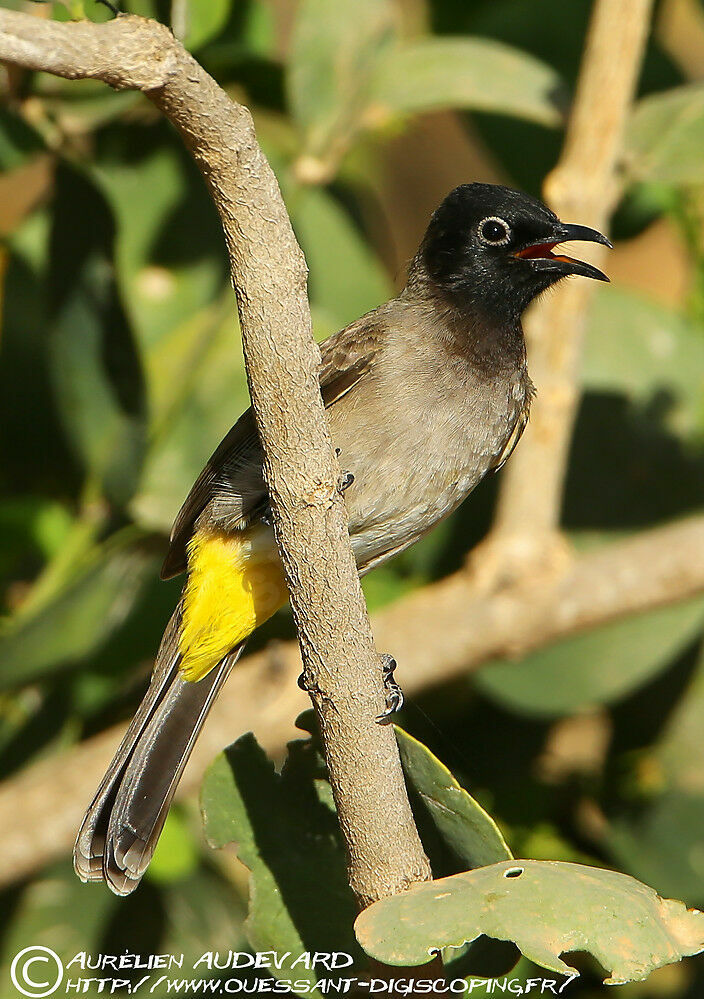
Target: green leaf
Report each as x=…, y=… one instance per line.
x=473, y=73
x=473, y=836
x=176, y=855
x=597, y=667
x=205, y=917
x=18, y=140
x=81, y=616
x=678, y=753
x=637, y=346
x=460, y=820
x=662, y=842
x=56, y=911
x=286, y=832
x=665, y=136
x=205, y=20
x=96, y=370
x=334, y=54
x=169, y=254
x=659, y=840
x=84, y=105
x=346, y=279
x=546, y=908
x=199, y=389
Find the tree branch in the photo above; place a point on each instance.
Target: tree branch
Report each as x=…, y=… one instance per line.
x=269, y=275
x=653, y=569
x=582, y=188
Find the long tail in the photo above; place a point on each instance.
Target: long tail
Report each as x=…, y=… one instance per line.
x=120, y=830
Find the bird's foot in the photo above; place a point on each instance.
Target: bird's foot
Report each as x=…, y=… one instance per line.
x=347, y=478
x=394, y=694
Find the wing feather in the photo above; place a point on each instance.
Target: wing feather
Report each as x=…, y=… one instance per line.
x=231, y=487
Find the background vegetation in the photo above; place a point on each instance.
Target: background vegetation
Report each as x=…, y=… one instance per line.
x=120, y=370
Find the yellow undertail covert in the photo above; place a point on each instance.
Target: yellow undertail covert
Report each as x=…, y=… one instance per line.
x=235, y=583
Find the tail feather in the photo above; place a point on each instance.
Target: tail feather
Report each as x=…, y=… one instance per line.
x=120, y=830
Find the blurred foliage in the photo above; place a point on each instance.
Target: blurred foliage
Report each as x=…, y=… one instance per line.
x=120, y=369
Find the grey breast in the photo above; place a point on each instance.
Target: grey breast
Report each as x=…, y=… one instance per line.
x=418, y=436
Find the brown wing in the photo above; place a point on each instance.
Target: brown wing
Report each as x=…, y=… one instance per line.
x=231, y=486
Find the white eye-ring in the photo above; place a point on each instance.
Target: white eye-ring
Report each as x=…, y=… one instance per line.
x=494, y=231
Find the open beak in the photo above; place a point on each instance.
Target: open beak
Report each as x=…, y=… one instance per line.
x=544, y=259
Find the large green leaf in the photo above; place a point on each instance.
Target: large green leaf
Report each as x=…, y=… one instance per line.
x=205, y=21
x=18, y=140
x=546, y=908
x=665, y=136
x=172, y=270
x=659, y=840
x=471, y=834
x=346, y=279
x=461, y=821
x=96, y=368
x=475, y=73
x=55, y=910
x=286, y=832
x=334, y=54
x=205, y=917
x=168, y=248
x=80, y=617
x=199, y=381
x=597, y=667
x=636, y=346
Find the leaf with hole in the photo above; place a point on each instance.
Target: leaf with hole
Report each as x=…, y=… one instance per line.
x=471, y=834
x=546, y=908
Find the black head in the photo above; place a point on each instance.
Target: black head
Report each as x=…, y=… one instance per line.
x=490, y=248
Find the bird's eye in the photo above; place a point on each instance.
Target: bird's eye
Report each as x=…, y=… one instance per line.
x=494, y=231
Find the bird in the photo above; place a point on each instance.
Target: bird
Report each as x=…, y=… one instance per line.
x=425, y=395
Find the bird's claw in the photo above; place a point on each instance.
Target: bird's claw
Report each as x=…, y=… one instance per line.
x=346, y=480
x=394, y=694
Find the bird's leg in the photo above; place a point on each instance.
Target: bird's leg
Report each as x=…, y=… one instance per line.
x=347, y=478
x=313, y=689
x=394, y=694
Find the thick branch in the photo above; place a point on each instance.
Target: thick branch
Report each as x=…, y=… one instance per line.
x=582, y=188
x=441, y=632
x=269, y=275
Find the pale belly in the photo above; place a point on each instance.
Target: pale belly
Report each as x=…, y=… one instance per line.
x=413, y=469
